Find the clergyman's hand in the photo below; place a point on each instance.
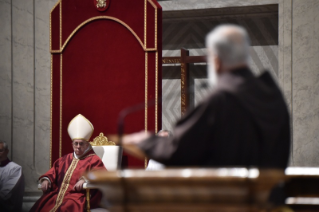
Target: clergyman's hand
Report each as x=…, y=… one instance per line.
x=45, y=186
x=130, y=142
x=135, y=138
x=79, y=185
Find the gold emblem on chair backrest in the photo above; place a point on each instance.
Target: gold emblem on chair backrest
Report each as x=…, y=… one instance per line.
x=100, y=3
x=101, y=140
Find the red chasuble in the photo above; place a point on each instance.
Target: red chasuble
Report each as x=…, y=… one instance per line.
x=64, y=174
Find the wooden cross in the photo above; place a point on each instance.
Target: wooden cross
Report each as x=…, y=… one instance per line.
x=184, y=60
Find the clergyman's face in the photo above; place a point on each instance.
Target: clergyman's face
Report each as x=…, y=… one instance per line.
x=79, y=146
x=3, y=152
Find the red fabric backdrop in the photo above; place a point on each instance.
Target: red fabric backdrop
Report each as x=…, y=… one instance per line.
x=103, y=62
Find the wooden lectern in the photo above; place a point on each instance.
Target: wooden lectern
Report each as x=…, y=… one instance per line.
x=173, y=190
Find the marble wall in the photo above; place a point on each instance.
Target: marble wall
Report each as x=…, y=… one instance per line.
x=5, y=72
x=25, y=76
x=25, y=84
x=299, y=76
x=305, y=82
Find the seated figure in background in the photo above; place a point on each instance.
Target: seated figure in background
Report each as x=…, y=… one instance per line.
x=11, y=182
x=244, y=121
x=62, y=185
x=152, y=164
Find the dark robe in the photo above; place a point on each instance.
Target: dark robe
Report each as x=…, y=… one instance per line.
x=11, y=186
x=243, y=122
x=64, y=174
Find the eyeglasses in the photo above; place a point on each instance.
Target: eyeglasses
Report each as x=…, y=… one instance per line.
x=81, y=144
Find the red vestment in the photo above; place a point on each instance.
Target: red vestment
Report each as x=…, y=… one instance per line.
x=64, y=174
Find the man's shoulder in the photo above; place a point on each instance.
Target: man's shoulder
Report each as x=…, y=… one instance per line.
x=93, y=156
x=64, y=157
x=13, y=164
x=236, y=86
x=13, y=167
x=67, y=155
x=218, y=95
x=90, y=155
x=225, y=93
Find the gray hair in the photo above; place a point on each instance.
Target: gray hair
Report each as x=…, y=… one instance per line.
x=230, y=43
x=5, y=145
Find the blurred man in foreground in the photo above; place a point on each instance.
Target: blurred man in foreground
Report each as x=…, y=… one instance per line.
x=243, y=122
x=62, y=185
x=11, y=182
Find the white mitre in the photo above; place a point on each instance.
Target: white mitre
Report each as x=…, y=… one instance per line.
x=80, y=128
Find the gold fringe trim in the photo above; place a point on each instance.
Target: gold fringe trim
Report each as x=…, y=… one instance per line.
x=60, y=147
x=51, y=94
x=97, y=18
x=152, y=3
x=146, y=87
x=60, y=24
x=156, y=91
x=145, y=22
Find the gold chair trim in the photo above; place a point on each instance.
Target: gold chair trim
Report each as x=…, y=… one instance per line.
x=101, y=140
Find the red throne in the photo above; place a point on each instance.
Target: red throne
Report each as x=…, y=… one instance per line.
x=104, y=59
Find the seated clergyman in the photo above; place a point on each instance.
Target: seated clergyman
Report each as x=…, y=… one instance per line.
x=62, y=185
x=11, y=182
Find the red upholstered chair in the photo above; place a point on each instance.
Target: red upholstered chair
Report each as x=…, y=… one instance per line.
x=105, y=59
